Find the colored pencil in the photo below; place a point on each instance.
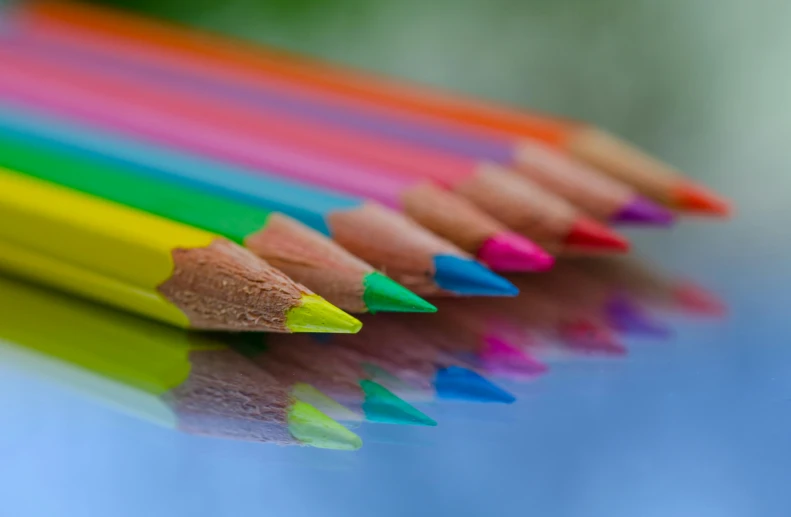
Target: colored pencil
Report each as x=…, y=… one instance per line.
x=608, y=153
x=149, y=265
x=305, y=255
x=405, y=251
x=596, y=194
x=337, y=372
x=170, y=377
x=198, y=125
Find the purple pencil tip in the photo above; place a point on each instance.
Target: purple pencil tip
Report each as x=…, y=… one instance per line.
x=642, y=211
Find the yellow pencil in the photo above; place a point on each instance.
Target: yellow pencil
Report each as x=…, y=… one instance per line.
x=152, y=266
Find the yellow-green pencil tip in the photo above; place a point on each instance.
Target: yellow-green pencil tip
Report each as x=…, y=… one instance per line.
x=315, y=314
x=384, y=295
x=312, y=427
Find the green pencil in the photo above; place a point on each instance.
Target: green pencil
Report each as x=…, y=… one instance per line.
x=302, y=253
x=174, y=378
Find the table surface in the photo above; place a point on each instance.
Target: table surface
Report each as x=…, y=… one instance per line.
x=697, y=425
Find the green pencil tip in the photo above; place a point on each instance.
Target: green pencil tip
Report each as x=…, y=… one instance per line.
x=315, y=314
x=384, y=295
x=312, y=427
x=382, y=406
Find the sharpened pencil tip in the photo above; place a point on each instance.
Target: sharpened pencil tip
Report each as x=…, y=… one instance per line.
x=385, y=295
x=468, y=277
x=645, y=212
x=457, y=383
x=510, y=252
x=312, y=427
x=315, y=314
x=383, y=406
x=590, y=235
x=691, y=197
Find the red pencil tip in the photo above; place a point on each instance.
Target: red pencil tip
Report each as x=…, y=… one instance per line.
x=690, y=197
x=509, y=252
x=590, y=235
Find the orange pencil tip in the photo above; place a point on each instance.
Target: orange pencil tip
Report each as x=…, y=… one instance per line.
x=590, y=235
x=690, y=197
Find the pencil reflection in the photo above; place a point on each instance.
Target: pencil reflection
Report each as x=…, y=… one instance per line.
x=247, y=386
x=180, y=380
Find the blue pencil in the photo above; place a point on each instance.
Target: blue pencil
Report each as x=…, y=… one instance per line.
x=409, y=253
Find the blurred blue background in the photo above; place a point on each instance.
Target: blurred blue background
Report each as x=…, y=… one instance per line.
x=699, y=425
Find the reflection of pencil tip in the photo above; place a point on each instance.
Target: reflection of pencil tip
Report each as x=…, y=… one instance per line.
x=383, y=406
x=628, y=317
x=501, y=358
x=697, y=300
x=312, y=427
x=587, y=337
x=457, y=383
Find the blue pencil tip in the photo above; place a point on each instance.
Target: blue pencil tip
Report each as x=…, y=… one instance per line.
x=457, y=383
x=465, y=276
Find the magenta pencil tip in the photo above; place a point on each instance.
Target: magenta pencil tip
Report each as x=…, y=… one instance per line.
x=643, y=211
x=509, y=252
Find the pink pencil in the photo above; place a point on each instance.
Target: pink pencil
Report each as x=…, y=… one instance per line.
x=275, y=140
x=212, y=131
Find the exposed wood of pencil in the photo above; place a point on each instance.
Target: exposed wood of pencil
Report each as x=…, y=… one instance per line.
x=521, y=205
x=313, y=260
x=586, y=188
x=397, y=246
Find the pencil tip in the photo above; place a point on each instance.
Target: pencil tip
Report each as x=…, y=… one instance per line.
x=455, y=382
x=626, y=316
x=315, y=314
x=691, y=197
x=385, y=295
x=312, y=427
x=383, y=406
x=467, y=277
x=510, y=252
x=589, y=235
x=643, y=211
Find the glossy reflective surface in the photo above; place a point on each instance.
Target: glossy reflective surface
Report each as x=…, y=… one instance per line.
x=696, y=424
